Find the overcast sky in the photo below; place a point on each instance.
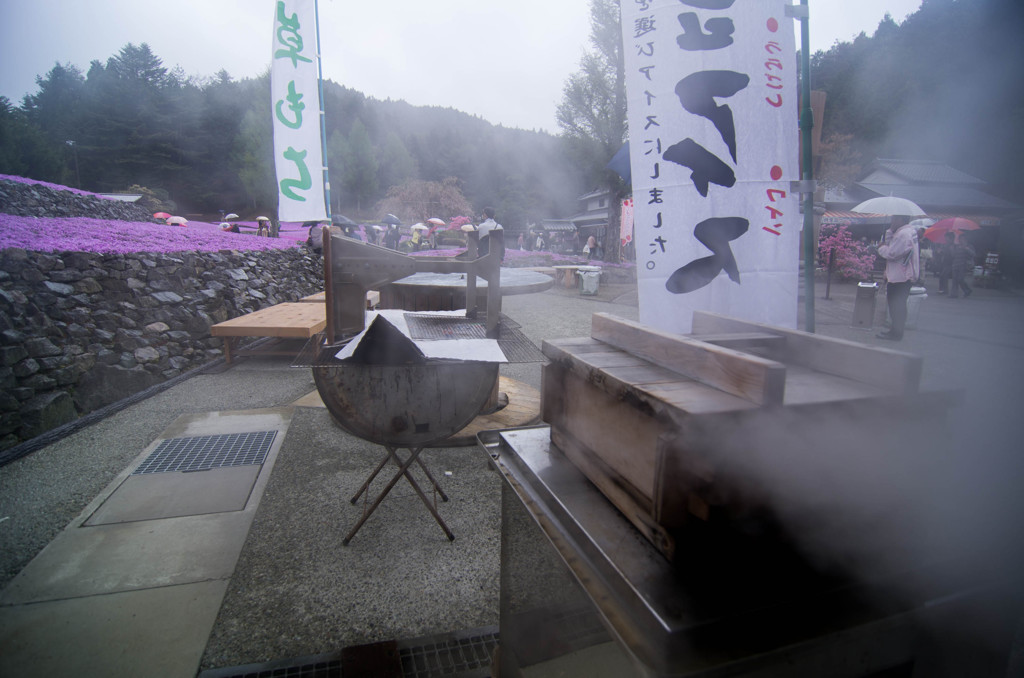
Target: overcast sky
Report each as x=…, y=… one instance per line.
x=504, y=61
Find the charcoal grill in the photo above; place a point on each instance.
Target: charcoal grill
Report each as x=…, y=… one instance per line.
x=391, y=394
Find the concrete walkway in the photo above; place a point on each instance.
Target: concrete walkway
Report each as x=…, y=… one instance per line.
x=109, y=573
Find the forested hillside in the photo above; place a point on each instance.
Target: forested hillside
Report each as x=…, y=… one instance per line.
x=131, y=121
x=944, y=85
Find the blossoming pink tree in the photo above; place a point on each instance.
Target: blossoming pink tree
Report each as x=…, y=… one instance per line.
x=851, y=260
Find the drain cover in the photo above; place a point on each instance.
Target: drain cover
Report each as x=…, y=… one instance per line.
x=200, y=453
x=461, y=654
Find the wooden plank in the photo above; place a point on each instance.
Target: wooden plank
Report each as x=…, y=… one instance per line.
x=292, y=319
x=805, y=386
x=606, y=379
x=682, y=475
x=581, y=345
x=689, y=398
x=642, y=375
x=631, y=504
x=625, y=437
x=660, y=391
x=372, y=298
x=895, y=371
x=757, y=379
x=746, y=341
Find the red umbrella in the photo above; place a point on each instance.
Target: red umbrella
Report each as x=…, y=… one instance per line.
x=161, y=215
x=937, y=231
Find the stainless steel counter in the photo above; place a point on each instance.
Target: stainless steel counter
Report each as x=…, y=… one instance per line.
x=583, y=593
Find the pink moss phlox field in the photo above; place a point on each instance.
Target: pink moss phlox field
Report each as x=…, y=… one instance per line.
x=103, y=236
x=56, y=187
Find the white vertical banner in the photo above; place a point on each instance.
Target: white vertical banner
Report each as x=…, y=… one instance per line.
x=295, y=97
x=712, y=95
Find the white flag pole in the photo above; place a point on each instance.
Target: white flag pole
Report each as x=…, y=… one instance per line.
x=323, y=119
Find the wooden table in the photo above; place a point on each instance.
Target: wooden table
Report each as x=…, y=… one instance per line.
x=292, y=320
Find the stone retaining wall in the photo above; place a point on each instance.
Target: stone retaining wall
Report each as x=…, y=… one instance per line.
x=79, y=331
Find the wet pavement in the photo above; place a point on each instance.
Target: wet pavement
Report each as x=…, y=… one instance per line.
x=102, y=577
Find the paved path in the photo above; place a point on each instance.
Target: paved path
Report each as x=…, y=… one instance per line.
x=286, y=587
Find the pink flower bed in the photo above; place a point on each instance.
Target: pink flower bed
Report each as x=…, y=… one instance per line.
x=82, y=234
x=56, y=187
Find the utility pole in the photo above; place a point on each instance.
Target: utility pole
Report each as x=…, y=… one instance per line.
x=74, y=150
x=807, y=162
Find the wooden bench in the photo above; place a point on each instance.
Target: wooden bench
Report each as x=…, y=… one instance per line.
x=293, y=320
x=372, y=298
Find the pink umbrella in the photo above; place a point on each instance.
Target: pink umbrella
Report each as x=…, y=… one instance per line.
x=937, y=231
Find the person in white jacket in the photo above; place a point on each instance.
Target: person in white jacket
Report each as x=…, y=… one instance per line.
x=902, y=257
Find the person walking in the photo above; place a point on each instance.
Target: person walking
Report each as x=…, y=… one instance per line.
x=962, y=261
x=945, y=262
x=902, y=267
x=484, y=229
x=392, y=237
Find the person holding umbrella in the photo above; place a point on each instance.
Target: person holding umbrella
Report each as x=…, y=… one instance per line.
x=902, y=267
x=962, y=260
x=945, y=261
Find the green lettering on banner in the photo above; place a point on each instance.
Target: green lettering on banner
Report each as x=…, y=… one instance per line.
x=288, y=35
x=295, y=105
x=304, y=182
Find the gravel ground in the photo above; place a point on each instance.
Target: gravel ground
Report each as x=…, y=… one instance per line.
x=293, y=593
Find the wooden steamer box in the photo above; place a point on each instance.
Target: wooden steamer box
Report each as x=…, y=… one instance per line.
x=740, y=419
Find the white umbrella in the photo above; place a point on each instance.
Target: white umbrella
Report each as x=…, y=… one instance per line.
x=890, y=206
x=435, y=221
x=268, y=218
x=921, y=223
x=177, y=221
x=230, y=216
x=419, y=227
x=468, y=228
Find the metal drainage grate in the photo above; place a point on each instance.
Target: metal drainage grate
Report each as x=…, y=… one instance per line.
x=201, y=453
x=465, y=654
x=462, y=654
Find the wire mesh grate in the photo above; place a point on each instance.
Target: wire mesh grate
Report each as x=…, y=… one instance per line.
x=200, y=453
x=465, y=654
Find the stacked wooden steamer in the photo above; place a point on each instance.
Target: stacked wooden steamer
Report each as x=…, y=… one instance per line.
x=685, y=431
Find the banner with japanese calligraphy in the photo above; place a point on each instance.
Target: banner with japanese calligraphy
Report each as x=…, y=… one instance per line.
x=712, y=95
x=295, y=97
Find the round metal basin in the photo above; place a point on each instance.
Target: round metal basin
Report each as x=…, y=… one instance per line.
x=405, y=405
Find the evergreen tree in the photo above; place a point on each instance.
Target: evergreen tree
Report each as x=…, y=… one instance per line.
x=359, y=173
x=25, y=150
x=396, y=164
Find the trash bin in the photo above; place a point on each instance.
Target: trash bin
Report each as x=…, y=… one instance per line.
x=590, y=279
x=864, y=305
x=914, y=301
